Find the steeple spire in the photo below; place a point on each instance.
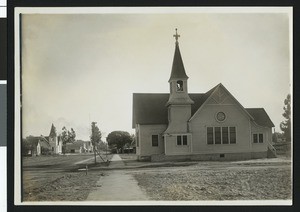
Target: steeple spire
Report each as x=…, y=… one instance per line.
x=52, y=131
x=178, y=80
x=178, y=71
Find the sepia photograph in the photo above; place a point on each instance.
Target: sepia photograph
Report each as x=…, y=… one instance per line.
x=153, y=106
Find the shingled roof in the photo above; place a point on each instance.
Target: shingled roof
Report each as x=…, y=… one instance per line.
x=149, y=108
x=34, y=140
x=260, y=116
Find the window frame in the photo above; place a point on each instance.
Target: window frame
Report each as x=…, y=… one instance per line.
x=153, y=136
x=178, y=140
x=255, y=138
x=259, y=138
x=217, y=114
x=229, y=141
x=218, y=135
x=234, y=135
x=210, y=142
x=222, y=134
x=182, y=143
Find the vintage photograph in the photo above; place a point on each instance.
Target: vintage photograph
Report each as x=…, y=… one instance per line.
x=137, y=106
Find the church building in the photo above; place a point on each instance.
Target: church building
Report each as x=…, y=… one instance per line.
x=198, y=126
x=54, y=141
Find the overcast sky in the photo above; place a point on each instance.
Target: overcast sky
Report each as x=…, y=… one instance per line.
x=79, y=68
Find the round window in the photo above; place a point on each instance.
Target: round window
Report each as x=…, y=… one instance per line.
x=221, y=116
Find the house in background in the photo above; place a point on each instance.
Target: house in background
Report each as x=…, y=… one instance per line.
x=75, y=147
x=87, y=147
x=79, y=146
x=200, y=126
x=43, y=147
x=36, y=146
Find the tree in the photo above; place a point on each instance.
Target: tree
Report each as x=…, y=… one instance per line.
x=285, y=125
x=67, y=137
x=133, y=143
x=118, y=139
x=102, y=145
x=277, y=137
x=95, y=137
x=28, y=144
x=71, y=136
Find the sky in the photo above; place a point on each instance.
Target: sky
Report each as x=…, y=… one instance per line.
x=79, y=68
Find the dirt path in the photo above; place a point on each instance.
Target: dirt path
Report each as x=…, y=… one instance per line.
x=117, y=185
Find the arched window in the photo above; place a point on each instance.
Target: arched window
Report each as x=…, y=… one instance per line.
x=179, y=86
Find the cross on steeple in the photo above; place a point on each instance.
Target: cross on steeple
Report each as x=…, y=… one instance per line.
x=176, y=36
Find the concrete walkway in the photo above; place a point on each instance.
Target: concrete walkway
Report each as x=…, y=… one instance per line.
x=117, y=185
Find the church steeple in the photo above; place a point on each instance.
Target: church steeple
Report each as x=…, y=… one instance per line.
x=178, y=79
x=52, y=131
x=178, y=70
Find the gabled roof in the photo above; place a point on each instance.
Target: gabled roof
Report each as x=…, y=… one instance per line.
x=199, y=99
x=44, y=142
x=260, y=116
x=214, y=89
x=34, y=140
x=178, y=70
x=46, y=137
x=149, y=108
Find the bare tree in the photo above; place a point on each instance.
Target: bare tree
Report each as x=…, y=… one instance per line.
x=95, y=138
